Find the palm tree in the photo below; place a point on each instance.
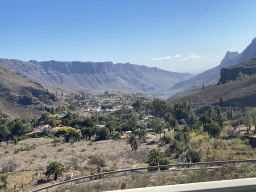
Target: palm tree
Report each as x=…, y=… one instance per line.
x=156, y=157
x=134, y=142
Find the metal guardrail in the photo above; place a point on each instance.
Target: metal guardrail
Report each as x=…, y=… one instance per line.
x=143, y=168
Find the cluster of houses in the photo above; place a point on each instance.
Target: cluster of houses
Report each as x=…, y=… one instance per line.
x=47, y=128
x=99, y=108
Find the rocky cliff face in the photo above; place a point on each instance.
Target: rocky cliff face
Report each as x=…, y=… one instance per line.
x=212, y=76
x=231, y=73
x=21, y=97
x=97, y=75
x=208, y=77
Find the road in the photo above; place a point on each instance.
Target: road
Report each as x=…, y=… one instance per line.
x=236, y=185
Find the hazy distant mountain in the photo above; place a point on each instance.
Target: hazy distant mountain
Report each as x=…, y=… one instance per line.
x=97, y=75
x=233, y=91
x=21, y=97
x=212, y=76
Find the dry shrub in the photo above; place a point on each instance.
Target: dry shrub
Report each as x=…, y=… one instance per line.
x=139, y=156
x=10, y=165
x=98, y=160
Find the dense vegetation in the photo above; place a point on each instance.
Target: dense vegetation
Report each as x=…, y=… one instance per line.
x=188, y=135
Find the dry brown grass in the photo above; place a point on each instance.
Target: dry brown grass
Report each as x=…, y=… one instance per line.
x=75, y=157
x=165, y=178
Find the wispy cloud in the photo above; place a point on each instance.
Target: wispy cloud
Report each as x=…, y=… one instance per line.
x=192, y=57
x=169, y=57
x=177, y=56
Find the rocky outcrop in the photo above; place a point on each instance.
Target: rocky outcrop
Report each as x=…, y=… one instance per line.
x=212, y=76
x=231, y=73
x=208, y=77
x=21, y=97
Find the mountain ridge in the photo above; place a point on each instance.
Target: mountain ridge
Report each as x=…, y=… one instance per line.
x=97, y=75
x=212, y=76
x=21, y=97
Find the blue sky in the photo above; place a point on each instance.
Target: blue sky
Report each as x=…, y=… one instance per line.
x=175, y=35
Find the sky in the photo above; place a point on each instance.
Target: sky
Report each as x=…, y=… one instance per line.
x=175, y=35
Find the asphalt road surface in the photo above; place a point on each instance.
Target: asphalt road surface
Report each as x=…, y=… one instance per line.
x=235, y=185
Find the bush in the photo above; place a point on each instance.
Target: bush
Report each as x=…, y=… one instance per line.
x=98, y=160
x=60, y=150
x=123, y=186
x=44, y=157
x=193, y=156
x=25, y=148
x=117, y=135
x=102, y=133
x=10, y=165
x=167, y=139
x=57, y=140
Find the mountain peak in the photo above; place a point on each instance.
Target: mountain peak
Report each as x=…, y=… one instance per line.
x=231, y=55
x=254, y=40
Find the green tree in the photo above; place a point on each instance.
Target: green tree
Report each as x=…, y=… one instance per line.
x=160, y=128
x=44, y=119
x=111, y=125
x=221, y=103
x=247, y=121
x=148, y=106
x=137, y=105
x=182, y=135
x=183, y=110
x=173, y=123
x=132, y=123
x=254, y=121
x=156, y=157
x=54, y=168
x=4, y=129
x=87, y=132
x=193, y=122
x=235, y=124
x=74, y=135
x=103, y=133
x=213, y=129
x=134, y=142
x=193, y=156
x=20, y=127
x=230, y=113
x=161, y=107
x=205, y=119
x=141, y=133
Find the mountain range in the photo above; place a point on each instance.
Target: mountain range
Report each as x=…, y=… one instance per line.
x=233, y=89
x=212, y=76
x=97, y=75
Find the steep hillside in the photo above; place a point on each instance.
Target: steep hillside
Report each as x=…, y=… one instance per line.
x=212, y=76
x=21, y=97
x=97, y=75
x=231, y=73
x=240, y=93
